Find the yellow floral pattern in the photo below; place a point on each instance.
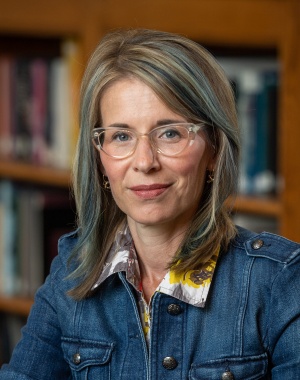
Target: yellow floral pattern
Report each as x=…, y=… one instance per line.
x=195, y=278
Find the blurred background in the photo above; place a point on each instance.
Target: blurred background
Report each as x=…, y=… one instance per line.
x=44, y=48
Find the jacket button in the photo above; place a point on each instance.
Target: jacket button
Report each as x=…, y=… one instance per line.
x=174, y=309
x=169, y=362
x=257, y=244
x=76, y=358
x=227, y=376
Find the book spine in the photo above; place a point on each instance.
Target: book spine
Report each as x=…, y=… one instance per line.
x=8, y=250
x=6, y=142
x=38, y=74
x=22, y=110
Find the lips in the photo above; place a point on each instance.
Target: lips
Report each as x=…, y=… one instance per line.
x=149, y=191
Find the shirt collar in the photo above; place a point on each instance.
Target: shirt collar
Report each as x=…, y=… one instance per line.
x=191, y=287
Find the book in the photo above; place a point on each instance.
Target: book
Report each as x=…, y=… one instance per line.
x=38, y=106
x=8, y=253
x=30, y=242
x=31, y=221
x=71, y=54
x=59, y=103
x=22, y=109
x=39, y=113
x=6, y=142
x=256, y=84
x=2, y=245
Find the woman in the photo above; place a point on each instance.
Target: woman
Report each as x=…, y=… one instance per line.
x=157, y=282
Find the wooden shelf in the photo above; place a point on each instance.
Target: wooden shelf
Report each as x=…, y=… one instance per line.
x=24, y=172
x=15, y=305
x=263, y=206
x=246, y=23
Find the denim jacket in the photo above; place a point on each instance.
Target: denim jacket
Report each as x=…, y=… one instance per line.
x=248, y=329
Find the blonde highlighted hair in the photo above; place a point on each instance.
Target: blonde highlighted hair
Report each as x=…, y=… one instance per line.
x=191, y=83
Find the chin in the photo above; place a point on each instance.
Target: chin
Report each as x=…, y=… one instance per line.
x=148, y=221
x=152, y=220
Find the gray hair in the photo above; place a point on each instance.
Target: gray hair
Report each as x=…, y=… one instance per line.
x=191, y=83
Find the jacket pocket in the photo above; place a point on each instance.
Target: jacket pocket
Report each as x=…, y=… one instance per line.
x=88, y=359
x=244, y=368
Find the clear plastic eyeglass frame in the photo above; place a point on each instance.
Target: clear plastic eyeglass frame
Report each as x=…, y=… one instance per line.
x=168, y=140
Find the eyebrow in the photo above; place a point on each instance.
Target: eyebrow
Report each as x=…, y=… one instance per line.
x=118, y=125
x=169, y=121
x=159, y=123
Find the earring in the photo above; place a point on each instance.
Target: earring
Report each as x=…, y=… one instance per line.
x=211, y=177
x=106, y=183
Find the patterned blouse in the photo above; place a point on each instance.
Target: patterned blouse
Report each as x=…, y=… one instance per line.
x=191, y=287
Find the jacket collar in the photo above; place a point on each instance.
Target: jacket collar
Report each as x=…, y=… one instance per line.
x=191, y=287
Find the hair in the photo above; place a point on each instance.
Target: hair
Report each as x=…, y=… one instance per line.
x=190, y=82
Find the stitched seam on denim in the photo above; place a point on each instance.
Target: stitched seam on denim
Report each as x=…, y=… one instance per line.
x=266, y=337
x=238, y=244
x=238, y=341
x=183, y=340
x=294, y=255
x=128, y=340
x=55, y=284
x=77, y=318
x=150, y=364
x=137, y=315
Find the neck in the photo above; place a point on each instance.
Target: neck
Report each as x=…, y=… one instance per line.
x=156, y=246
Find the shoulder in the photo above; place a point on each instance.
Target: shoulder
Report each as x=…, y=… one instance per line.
x=67, y=243
x=65, y=262
x=266, y=245
x=265, y=265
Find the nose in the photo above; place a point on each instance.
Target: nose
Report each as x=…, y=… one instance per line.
x=145, y=157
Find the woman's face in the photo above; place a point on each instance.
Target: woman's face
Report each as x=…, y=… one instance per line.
x=150, y=188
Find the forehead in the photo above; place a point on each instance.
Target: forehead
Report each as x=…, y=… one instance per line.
x=131, y=101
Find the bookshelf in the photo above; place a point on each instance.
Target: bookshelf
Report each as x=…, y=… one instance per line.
x=254, y=24
x=38, y=180
x=16, y=305
x=25, y=172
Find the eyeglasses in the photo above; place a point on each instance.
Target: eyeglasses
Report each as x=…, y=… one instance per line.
x=169, y=140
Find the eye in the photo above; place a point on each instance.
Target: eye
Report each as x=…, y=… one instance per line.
x=121, y=136
x=169, y=134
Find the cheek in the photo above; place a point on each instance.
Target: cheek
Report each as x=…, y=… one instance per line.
x=192, y=176
x=113, y=174
x=108, y=166
x=194, y=168
x=112, y=169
